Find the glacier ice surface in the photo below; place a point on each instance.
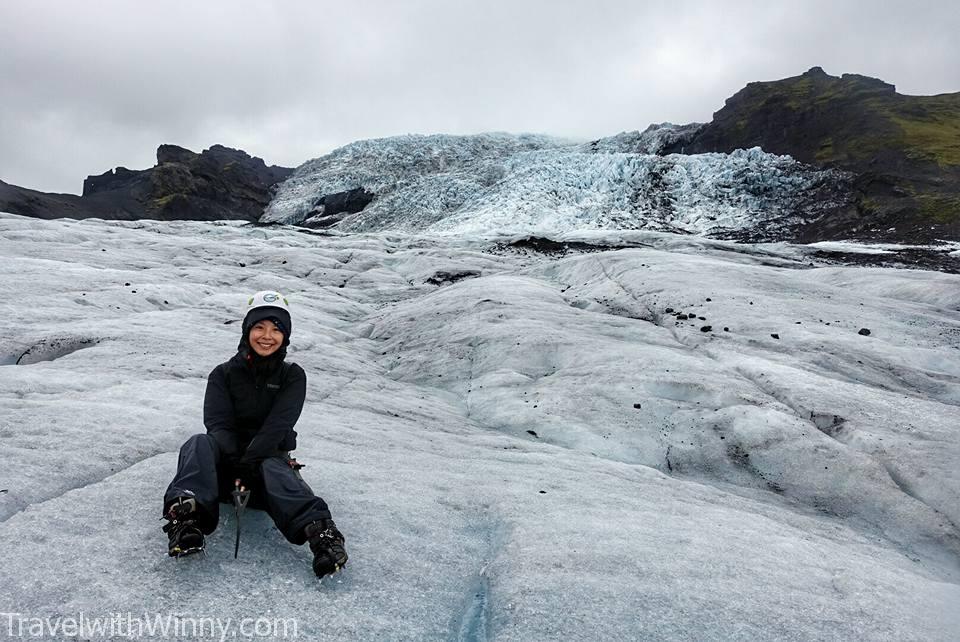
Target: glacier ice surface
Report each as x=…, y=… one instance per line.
x=680, y=484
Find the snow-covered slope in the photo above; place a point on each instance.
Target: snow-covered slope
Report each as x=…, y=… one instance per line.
x=499, y=183
x=517, y=446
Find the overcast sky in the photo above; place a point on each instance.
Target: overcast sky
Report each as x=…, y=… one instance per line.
x=87, y=86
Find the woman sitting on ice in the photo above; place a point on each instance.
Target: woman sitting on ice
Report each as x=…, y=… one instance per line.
x=251, y=405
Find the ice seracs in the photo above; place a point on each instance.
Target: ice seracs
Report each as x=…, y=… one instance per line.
x=501, y=183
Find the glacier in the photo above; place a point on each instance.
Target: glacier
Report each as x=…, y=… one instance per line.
x=533, y=184
x=642, y=435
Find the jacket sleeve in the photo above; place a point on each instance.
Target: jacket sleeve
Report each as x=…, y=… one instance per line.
x=218, y=414
x=287, y=406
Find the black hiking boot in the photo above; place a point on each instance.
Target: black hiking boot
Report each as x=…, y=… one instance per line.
x=181, y=528
x=326, y=542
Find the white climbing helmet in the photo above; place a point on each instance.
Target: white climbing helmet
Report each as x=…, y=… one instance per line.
x=268, y=304
x=268, y=299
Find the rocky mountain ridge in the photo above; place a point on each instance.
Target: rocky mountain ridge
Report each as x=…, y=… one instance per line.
x=904, y=151
x=218, y=183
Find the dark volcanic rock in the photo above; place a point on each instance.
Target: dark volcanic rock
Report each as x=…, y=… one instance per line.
x=219, y=183
x=332, y=208
x=443, y=277
x=904, y=151
x=932, y=258
x=550, y=247
x=174, y=154
x=28, y=202
x=110, y=180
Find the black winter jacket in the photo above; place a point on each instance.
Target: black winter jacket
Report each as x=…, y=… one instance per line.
x=253, y=418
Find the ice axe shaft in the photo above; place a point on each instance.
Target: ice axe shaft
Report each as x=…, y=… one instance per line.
x=240, y=498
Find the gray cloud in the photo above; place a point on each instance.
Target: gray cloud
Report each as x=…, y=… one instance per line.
x=87, y=86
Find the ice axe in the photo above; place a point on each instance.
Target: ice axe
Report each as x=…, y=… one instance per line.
x=240, y=498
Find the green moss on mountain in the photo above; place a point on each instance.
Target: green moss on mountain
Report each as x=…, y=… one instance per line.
x=934, y=133
x=941, y=209
x=167, y=202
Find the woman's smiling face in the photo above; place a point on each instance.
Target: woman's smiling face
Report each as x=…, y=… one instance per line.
x=265, y=338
